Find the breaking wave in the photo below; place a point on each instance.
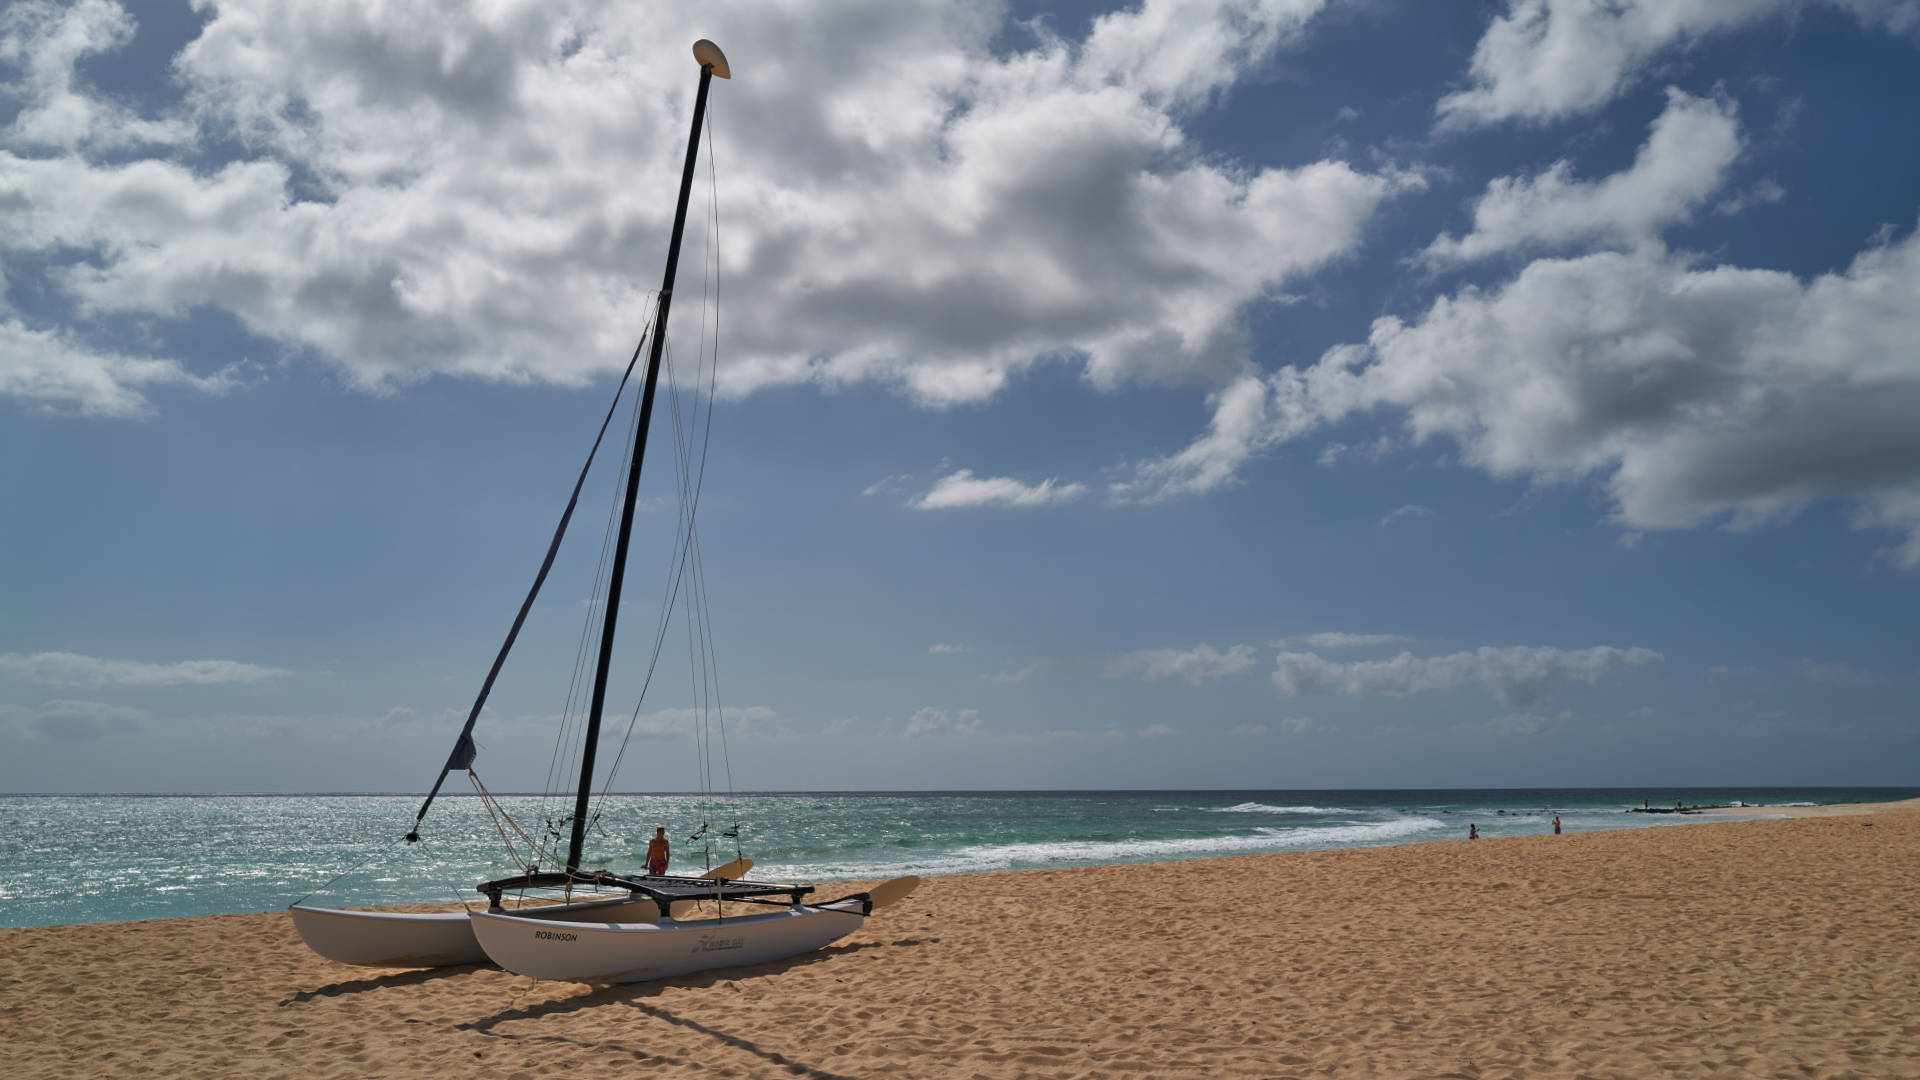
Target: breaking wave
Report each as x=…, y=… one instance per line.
x=987, y=858
x=1264, y=808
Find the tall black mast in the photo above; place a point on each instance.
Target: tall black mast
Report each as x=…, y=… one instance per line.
x=712, y=62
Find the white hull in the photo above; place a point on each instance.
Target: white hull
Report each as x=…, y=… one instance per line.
x=389, y=938
x=606, y=952
x=404, y=939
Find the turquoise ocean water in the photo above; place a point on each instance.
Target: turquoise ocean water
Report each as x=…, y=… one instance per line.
x=113, y=858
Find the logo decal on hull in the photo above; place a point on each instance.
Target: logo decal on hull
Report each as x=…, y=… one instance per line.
x=709, y=943
x=549, y=935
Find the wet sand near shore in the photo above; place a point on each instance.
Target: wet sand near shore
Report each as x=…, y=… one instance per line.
x=1718, y=949
x=1835, y=810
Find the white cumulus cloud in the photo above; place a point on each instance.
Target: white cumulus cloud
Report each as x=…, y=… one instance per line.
x=1546, y=60
x=932, y=722
x=1404, y=513
x=681, y=722
x=1522, y=724
x=1514, y=675
x=1339, y=639
x=1688, y=394
x=73, y=721
x=427, y=189
x=73, y=669
x=1020, y=675
x=44, y=41
x=962, y=488
x=49, y=367
x=1243, y=424
x=1684, y=161
x=1195, y=665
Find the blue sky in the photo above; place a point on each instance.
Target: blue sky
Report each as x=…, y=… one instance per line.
x=1300, y=393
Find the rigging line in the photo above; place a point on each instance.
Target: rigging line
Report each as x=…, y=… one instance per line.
x=682, y=478
x=675, y=556
x=702, y=688
x=699, y=554
x=697, y=614
x=573, y=718
x=702, y=620
x=678, y=566
x=697, y=637
x=588, y=640
x=697, y=603
x=588, y=632
x=495, y=813
x=459, y=897
x=693, y=683
x=711, y=277
x=700, y=567
x=713, y=205
x=702, y=658
x=713, y=376
x=699, y=735
x=384, y=849
x=699, y=659
x=488, y=799
x=696, y=661
x=463, y=748
x=677, y=571
x=590, y=636
x=713, y=215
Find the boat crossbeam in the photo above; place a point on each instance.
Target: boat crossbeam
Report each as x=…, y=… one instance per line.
x=663, y=889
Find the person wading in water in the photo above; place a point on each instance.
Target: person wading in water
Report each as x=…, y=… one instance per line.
x=657, y=852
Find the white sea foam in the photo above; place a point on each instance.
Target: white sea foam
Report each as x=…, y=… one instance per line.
x=986, y=858
x=1264, y=808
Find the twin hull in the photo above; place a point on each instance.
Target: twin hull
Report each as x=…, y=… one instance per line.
x=567, y=943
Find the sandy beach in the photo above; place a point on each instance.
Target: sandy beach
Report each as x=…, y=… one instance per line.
x=1715, y=949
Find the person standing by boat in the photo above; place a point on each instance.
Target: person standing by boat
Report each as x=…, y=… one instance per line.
x=657, y=852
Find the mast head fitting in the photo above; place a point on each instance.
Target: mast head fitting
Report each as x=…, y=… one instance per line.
x=709, y=55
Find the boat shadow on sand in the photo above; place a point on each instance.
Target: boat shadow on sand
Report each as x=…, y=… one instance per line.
x=377, y=982
x=631, y=997
x=635, y=995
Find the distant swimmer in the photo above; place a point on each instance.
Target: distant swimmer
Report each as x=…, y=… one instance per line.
x=1473, y=832
x=1556, y=824
x=657, y=852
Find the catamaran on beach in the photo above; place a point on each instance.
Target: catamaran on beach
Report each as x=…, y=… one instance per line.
x=601, y=926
